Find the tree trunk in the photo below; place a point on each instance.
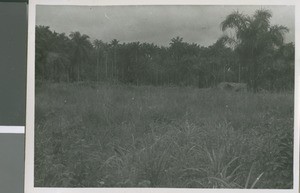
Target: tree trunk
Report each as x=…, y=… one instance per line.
x=157, y=78
x=239, y=73
x=115, y=63
x=224, y=74
x=106, y=70
x=78, y=69
x=97, y=70
x=112, y=70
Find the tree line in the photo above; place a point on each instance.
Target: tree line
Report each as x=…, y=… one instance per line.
x=256, y=54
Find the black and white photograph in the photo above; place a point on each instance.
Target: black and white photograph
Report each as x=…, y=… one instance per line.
x=163, y=96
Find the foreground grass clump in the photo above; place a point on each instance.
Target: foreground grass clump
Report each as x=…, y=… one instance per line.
x=126, y=136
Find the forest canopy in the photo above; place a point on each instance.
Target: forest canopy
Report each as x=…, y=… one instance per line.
x=256, y=55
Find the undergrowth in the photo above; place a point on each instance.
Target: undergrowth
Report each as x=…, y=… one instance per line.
x=125, y=136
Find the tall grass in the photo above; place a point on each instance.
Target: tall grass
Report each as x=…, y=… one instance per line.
x=125, y=136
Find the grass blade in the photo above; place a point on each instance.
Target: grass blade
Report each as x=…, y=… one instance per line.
x=224, y=170
x=249, y=175
x=257, y=179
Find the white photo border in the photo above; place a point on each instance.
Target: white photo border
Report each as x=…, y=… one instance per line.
x=30, y=102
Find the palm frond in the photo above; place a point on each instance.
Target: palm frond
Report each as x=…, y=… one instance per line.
x=264, y=14
x=261, y=19
x=277, y=34
x=235, y=20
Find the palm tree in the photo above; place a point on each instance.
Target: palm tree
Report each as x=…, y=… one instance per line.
x=133, y=67
x=221, y=57
x=81, y=47
x=177, y=48
x=114, y=43
x=43, y=44
x=98, y=44
x=253, y=40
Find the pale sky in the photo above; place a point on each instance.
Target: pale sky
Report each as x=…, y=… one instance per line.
x=153, y=24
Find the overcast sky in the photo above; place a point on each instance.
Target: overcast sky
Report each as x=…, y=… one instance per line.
x=152, y=24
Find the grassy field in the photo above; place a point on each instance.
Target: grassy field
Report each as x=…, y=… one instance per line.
x=126, y=136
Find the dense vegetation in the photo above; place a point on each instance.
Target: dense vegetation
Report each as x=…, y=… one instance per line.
x=256, y=55
x=132, y=114
x=146, y=136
